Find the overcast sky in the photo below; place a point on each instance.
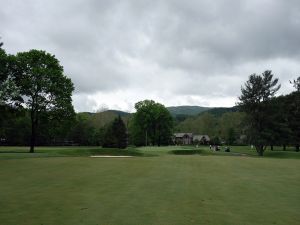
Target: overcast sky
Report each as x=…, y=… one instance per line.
x=194, y=52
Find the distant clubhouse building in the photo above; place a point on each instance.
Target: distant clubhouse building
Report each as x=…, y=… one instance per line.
x=190, y=138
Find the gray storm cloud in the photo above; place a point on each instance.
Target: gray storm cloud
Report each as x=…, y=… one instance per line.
x=177, y=52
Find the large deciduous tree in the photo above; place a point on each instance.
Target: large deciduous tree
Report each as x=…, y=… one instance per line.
x=152, y=124
x=9, y=94
x=255, y=101
x=3, y=78
x=3, y=64
x=45, y=90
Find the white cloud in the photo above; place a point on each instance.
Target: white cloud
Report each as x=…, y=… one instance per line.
x=175, y=52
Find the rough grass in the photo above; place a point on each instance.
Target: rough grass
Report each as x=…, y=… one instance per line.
x=203, y=188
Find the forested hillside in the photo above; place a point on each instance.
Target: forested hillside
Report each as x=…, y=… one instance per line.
x=186, y=110
x=227, y=126
x=219, y=111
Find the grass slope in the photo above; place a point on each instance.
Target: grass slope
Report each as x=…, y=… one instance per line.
x=167, y=189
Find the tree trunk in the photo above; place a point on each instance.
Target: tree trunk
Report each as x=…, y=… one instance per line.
x=272, y=148
x=34, y=123
x=297, y=147
x=146, y=138
x=284, y=147
x=33, y=134
x=260, y=150
x=159, y=137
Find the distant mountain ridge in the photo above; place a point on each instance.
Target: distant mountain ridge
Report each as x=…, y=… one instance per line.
x=176, y=111
x=187, y=110
x=118, y=112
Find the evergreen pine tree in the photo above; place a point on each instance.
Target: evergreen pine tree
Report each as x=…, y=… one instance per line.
x=115, y=135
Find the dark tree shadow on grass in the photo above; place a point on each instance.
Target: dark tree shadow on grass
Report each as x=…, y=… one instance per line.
x=188, y=152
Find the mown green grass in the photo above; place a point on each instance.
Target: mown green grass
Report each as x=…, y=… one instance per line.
x=203, y=188
x=234, y=151
x=23, y=152
x=41, y=152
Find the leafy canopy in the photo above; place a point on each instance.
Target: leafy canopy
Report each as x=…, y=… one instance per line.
x=152, y=124
x=43, y=87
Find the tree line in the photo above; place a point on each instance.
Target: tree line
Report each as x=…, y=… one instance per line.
x=36, y=109
x=260, y=118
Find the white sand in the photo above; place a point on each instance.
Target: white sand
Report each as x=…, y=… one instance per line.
x=111, y=156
